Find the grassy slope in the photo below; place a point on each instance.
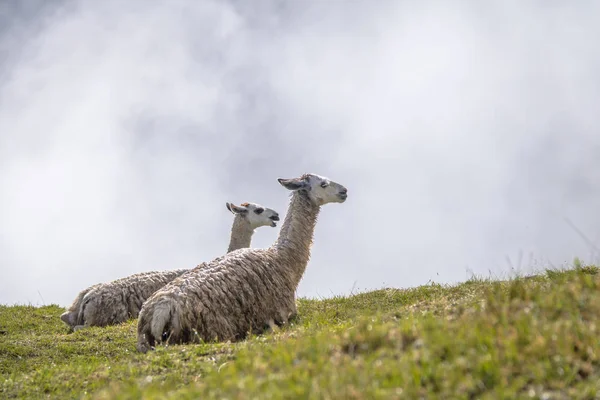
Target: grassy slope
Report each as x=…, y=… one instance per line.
x=532, y=337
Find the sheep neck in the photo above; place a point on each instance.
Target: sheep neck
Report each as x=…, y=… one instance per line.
x=241, y=234
x=296, y=234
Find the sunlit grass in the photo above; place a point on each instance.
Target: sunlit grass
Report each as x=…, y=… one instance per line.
x=534, y=337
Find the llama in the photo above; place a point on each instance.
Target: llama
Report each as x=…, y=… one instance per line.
x=115, y=302
x=243, y=291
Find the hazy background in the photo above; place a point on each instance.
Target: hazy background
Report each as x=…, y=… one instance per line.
x=465, y=132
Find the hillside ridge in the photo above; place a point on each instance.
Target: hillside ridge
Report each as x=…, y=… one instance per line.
x=528, y=337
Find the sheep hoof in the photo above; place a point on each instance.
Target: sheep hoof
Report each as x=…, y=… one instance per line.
x=142, y=349
x=272, y=326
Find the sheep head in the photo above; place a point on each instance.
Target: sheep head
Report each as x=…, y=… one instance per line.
x=320, y=190
x=255, y=214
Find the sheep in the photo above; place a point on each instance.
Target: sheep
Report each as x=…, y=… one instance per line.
x=115, y=302
x=246, y=290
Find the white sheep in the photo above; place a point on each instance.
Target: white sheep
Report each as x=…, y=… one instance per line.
x=117, y=301
x=245, y=290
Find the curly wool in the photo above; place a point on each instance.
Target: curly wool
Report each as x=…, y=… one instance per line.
x=120, y=300
x=241, y=292
x=117, y=301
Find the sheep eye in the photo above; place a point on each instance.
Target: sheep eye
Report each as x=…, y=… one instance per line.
x=324, y=184
x=259, y=210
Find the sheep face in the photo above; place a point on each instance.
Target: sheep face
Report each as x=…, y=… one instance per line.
x=255, y=214
x=320, y=190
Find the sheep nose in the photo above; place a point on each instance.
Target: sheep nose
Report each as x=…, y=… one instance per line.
x=343, y=191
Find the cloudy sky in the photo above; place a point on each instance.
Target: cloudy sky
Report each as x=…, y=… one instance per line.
x=467, y=134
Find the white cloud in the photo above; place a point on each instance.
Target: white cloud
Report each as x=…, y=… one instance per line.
x=464, y=134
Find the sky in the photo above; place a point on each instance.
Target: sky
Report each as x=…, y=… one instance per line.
x=466, y=133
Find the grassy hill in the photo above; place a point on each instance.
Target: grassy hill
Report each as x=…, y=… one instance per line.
x=534, y=337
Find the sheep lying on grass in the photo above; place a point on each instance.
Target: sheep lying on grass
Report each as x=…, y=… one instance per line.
x=117, y=301
x=244, y=290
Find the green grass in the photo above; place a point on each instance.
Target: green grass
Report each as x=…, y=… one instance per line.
x=534, y=337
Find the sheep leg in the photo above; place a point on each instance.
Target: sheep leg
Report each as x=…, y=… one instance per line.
x=293, y=317
x=271, y=326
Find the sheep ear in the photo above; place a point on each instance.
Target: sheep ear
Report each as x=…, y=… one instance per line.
x=293, y=184
x=235, y=209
